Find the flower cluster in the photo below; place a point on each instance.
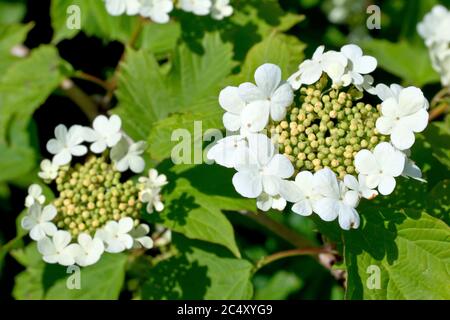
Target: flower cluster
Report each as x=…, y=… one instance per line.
x=340, y=138
x=96, y=209
x=158, y=10
x=434, y=30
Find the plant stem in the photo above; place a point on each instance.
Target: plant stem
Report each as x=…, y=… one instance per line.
x=78, y=96
x=291, y=253
x=88, y=77
x=436, y=111
x=280, y=230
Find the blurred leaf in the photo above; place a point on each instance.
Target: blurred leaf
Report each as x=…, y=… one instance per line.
x=438, y=134
x=12, y=12
x=411, y=250
x=439, y=201
x=196, y=216
x=199, y=271
x=279, y=286
x=22, y=90
x=10, y=36
x=409, y=62
x=94, y=21
x=193, y=81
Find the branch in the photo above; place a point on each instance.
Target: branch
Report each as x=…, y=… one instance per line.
x=78, y=96
x=88, y=77
x=279, y=229
x=436, y=111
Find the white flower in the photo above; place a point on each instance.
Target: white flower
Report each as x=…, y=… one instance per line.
x=435, y=25
x=154, y=180
x=67, y=144
x=310, y=71
x=34, y=195
x=119, y=7
x=157, y=10
x=221, y=9
x=359, y=186
x=229, y=152
x=153, y=200
x=380, y=166
x=336, y=201
x=127, y=156
x=401, y=117
x=90, y=250
x=105, y=133
x=38, y=221
x=198, y=7
x=269, y=97
x=358, y=65
x=140, y=238
x=232, y=103
x=367, y=85
x=264, y=170
x=164, y=236
x=115, y=235
x=265, y=202
x=58, y=249
x=49, y=170
x=302, y=192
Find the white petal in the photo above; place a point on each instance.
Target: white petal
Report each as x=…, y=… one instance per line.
x=280, y=166
x=402, y=138
x=351, y=198
x=271, y=185
x=45, y=246
x=48, y=213
x=98, y=147
x=261, y=148
x=327, y=209
x=231, y=101
x=326, y=183
x=351, y=182
x=417, y=122
x=61, y=239
x=78, y=151
x=348, y=217
x=231, y=122
x=387, y=185
x=365, y=65
x=365, y=162
x=280, y=101
x=264, y=202
x=411, y=100
x=268, y=77
x=62, y=158
x=146, y=242
x=54, y=146
x=255, y=116
x=290, y=191
x=248, y=183
x=303, y=208
x=249, y=92
x=137, y=164
x=37, y=233
x=125, y=225
x=385, y=124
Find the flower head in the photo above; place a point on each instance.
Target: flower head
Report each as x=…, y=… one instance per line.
x=358, y=65
x=38, y=221
x=67, y=143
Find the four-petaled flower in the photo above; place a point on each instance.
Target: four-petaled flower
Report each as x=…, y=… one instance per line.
x=380, y=166
x=128, y=156
x=67, y=144
x=38, y=221
x=34, y=195
x=221, y=9
x=49, y=170
x=58, y=249
x=198, y=7
x=115, y=235
x=264, y=169
x=230, y=151
x=357, y=66
x=402, y=117
x=119, y=7
x=157, y=10
x=105, y=133
x=89, y=250
x=302, y=192
x=140, y=238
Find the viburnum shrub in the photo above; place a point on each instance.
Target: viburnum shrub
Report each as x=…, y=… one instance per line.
x=340, y=138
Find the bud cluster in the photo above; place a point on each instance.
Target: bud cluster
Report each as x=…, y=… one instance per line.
x=327, y=129
x=92, y=194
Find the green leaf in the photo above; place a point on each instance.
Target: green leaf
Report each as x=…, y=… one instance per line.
x=409, y=248
x=279, y=286
x=407, y=61
x=193, y=81
x=10, y=36
x=282, y=50
x=438, y=134
x=196, y=216
x=94, y=21
x=199, y=271
x=22, y=90
x=12, y=12
x=40, y=280
x=101, y=281
x=159, y=38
